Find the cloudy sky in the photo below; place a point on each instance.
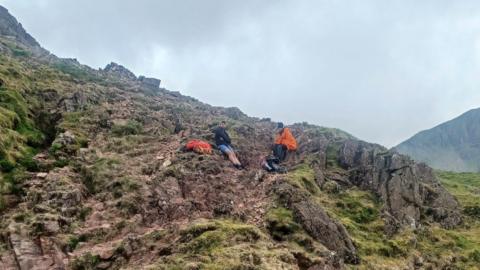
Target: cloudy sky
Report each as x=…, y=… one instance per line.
x=381, y=70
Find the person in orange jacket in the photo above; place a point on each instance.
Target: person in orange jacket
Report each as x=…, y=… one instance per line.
x=284, y=142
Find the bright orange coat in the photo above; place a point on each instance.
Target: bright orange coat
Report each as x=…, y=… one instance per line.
x=286, y=138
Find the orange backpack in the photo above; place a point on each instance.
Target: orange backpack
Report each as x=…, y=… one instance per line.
x=199, y=146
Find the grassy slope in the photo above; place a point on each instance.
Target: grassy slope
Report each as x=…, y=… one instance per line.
x=19, y=138
x=20, y=134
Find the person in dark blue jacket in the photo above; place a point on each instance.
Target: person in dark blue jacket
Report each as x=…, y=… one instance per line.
x=223, y=142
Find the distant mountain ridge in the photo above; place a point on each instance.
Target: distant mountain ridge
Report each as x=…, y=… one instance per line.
x=452, y=146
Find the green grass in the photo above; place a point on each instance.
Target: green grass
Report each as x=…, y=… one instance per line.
x=280, y=223
x=77, y=72
x=98, y=174
x=303, y=177
x=464, y=186
x=225, y=244
x=132, y=127
x=19, y=140
x=85, y=262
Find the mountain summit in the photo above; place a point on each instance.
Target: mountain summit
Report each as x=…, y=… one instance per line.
x=451, y=146
x=94, y=175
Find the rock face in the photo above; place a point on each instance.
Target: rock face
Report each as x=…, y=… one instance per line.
x=451, y=146
x=408, y=189
x=149, y=82
x=77, y=102
x=9, y=27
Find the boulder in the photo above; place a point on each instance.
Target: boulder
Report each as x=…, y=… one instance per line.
x=316, y=221
x=65, y=144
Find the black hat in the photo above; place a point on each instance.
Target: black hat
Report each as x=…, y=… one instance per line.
x=280, y=125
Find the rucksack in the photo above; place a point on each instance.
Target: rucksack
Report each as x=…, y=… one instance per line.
x=199, y=146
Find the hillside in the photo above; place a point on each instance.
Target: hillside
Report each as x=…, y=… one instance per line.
x=93, y=176
x=452, y=146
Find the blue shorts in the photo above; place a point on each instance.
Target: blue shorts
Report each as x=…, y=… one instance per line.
x=226, y=149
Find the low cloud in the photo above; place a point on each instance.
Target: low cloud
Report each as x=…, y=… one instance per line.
x=381, y=70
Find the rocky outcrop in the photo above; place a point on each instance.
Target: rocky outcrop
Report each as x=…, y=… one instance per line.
x=77, y=101
x=409, y=190
x=316, y=221
x=149, y=82
x=9, y=27
x=119, y=71
x=33, y=253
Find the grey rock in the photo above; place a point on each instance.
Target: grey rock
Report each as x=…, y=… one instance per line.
x=76, y=102
x=316, y=221
x=407, y=189
x=10, y=27
x=149, y=82
x=234, y=113
x=119, y=71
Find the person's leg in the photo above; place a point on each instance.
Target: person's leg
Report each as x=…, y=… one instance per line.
x=277, y=148
x=233, y=158
x=280, y=151
x=228, y=151
x=283, y=151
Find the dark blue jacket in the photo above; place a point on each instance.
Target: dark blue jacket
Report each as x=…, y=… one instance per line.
x=221, y=137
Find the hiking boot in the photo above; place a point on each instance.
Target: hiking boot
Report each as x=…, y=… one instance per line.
x=239, y=166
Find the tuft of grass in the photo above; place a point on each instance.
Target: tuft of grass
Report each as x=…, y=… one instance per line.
x=73, y=242
x=98, y=174
x=205, y=237
x=132, y=127
x=303, y=177
x=280, y=223
x=85, y=262
x=225, y=244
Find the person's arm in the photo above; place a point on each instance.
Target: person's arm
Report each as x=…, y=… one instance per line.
x=226, y=137
x=219, y=137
